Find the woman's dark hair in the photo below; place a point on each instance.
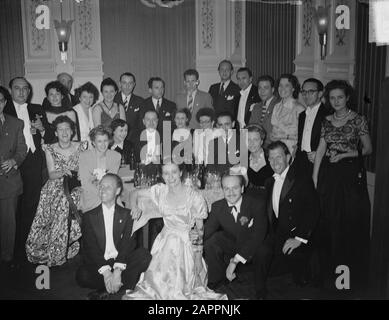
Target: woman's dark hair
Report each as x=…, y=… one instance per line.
x=294, y=82
x=117, y=123
x=90, y=88
x=257, y=128
x=5, y=93
x=99, y=131
x=187, y=114
x=109, y=82
x=345, y=87
x=208, y=112
x=65, y=119
x=57, y=86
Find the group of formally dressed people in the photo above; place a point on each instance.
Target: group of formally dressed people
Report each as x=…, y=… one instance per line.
x=291, y=173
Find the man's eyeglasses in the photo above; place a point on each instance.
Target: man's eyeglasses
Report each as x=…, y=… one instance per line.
x=310, y=92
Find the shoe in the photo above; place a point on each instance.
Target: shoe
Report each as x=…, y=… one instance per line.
x=98, y=295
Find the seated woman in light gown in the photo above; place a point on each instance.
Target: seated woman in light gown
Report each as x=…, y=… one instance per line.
x=177, y=270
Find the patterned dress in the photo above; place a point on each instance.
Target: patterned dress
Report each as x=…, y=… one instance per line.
x=344, y=201
x=48, y=239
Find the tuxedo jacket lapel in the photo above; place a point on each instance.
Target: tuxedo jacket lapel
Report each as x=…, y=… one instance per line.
x=99, y=226
x=288, y=184
x=118, y=225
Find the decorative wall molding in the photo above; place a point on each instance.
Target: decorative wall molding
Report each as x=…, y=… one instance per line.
x=207, y=24
x=340, y=60
x=42, y=59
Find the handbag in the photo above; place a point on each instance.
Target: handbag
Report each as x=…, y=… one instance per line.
x=69, y=183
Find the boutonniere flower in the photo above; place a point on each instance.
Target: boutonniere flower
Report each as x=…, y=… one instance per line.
x=98, y=174
x=243, y=220
x=229, y=98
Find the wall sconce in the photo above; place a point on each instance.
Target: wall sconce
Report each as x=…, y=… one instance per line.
x=63, y=29
x=322, y=17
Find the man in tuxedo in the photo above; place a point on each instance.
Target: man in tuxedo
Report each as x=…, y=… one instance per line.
x=110, y=259
x=234, y=234
x=262, y=111
x=224, y=149
x=131, y=102
x=226, y=93
x=293, y=211
x=35, y=124
x=248, y=96
x=13, y=151
x=193, y=98
x=309, y=126
x=165, y=108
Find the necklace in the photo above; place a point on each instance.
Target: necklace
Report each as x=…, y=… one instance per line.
x=342, y=117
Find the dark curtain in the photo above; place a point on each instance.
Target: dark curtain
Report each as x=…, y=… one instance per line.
x=379, y=270
x=11, y=41
x=270, y=38
x=370, y=72
x=148, y=42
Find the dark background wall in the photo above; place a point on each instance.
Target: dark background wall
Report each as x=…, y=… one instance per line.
x=148, y=42
x=11, y=41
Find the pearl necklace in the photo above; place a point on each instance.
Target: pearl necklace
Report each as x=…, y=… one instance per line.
x=342, y=117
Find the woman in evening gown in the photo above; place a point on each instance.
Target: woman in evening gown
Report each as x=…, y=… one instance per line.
x=177, y=270
x=51, y=236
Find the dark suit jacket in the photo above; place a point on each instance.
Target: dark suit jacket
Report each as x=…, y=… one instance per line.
x=33, y=111
x=252, y=98
x=93, y=236
x=12, y=146
x=298, y=208
x=217, y=162
x=126, y=151
x=316, y=129
x=247, y=238
x=256, y=115
x=202, y=100
x=229, y=101
x=133, y=112
x=166, y=112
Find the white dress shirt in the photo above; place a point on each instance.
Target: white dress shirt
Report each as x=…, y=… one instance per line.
x=22, y=113
x=110, y=249
x=124, y=98
x=153, y=150
x=244, y=94
x=310, y=116
x=225, y=85
x=278, y=183
x=120, y=145
x=235, y=212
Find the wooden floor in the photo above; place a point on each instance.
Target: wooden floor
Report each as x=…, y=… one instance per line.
x=19, y=284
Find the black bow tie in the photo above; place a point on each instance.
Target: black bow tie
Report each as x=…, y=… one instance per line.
x=232, y=208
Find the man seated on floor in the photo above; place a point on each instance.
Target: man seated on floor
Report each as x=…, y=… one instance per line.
x=234, y=233
x=110, y=259
x=293, y=212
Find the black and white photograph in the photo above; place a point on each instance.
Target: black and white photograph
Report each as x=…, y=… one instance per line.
x=212, y=151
